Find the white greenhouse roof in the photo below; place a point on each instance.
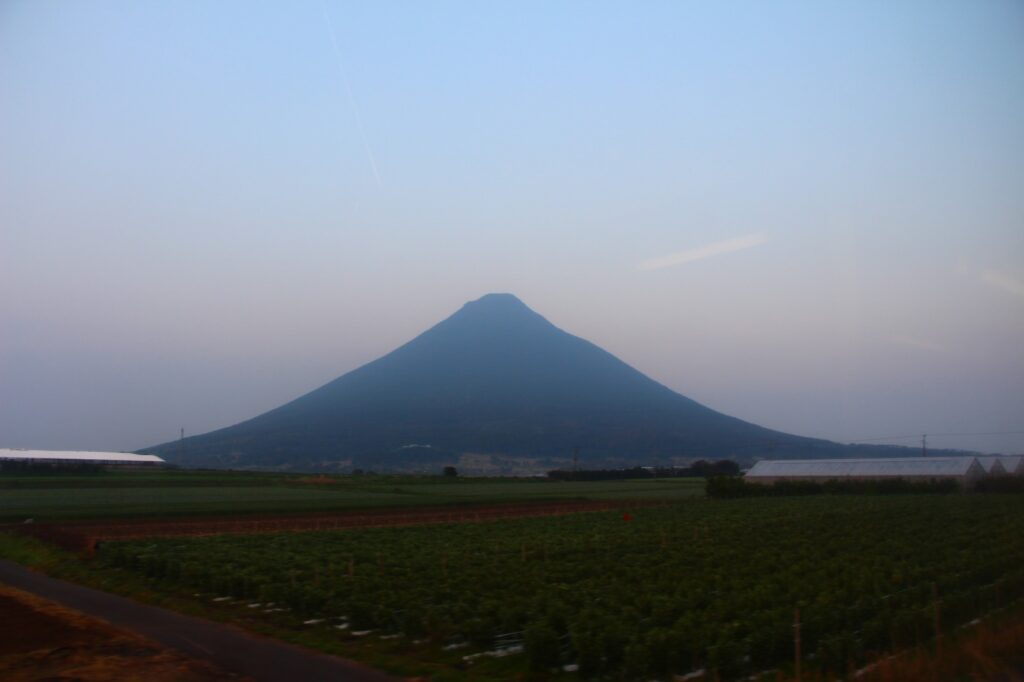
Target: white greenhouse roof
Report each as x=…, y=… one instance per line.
x=1013, y=464
x=903, y=466
x=991, y=464
x=78, y=455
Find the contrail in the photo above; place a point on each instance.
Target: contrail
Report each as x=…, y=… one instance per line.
x=351, y=98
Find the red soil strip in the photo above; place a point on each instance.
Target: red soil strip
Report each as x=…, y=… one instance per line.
x=85, y=535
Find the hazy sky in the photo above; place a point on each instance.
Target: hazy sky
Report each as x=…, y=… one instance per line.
x=807, y=215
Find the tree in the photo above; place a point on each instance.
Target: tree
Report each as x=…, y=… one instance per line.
x=451, y=471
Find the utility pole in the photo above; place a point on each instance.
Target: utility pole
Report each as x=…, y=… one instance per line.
x=182, y=444
x=924, y=445
x=575, y=459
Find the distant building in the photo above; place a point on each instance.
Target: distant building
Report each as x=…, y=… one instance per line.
x=1003, y=464
x=72, y=458
x=964, y=470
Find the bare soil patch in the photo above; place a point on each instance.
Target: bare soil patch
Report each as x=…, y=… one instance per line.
x=44, y=641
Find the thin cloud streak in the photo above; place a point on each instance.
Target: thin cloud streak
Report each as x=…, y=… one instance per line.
x=706, y=251
x=1001, y=280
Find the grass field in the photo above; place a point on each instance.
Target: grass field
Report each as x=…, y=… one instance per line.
x=130, y=494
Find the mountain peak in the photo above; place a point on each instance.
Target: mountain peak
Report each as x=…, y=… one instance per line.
x=503, y=310
x=497, y=300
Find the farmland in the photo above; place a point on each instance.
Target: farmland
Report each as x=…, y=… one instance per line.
x=178, y=494
x=698, y=584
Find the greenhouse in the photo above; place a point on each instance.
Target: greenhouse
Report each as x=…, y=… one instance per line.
x=76, y=458
x=964, y=470
x=1003, y=464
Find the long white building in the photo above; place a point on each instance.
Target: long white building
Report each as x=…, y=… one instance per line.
x=79, y=457
x=964, y=470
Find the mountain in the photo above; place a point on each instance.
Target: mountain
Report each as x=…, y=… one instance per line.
x=493, y=379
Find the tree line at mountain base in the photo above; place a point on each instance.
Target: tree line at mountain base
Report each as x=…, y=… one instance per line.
x=699, y=469
x=736, y=486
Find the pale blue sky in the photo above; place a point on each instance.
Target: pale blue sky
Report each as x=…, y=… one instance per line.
x=206, y=209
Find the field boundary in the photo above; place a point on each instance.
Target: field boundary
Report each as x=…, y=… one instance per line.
x=86, y=536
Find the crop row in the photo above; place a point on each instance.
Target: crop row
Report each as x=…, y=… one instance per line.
x=703, y=584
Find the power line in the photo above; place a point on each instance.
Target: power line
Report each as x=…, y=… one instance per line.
x=917, y=436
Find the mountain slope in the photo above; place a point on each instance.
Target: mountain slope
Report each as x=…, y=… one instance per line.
x=493, y=378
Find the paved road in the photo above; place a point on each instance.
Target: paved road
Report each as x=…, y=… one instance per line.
x=230, y=648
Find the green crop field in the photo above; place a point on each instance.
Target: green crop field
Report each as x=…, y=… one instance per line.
x=704, y=583
x=128, y=494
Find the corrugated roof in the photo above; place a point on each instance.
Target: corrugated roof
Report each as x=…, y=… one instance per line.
x=78, y=455
x=903, y=466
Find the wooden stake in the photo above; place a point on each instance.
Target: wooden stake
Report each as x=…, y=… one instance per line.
x=938, y=622
x=796, y=644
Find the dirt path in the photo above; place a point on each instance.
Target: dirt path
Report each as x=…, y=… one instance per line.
x=230, y=649
x=51, y=642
